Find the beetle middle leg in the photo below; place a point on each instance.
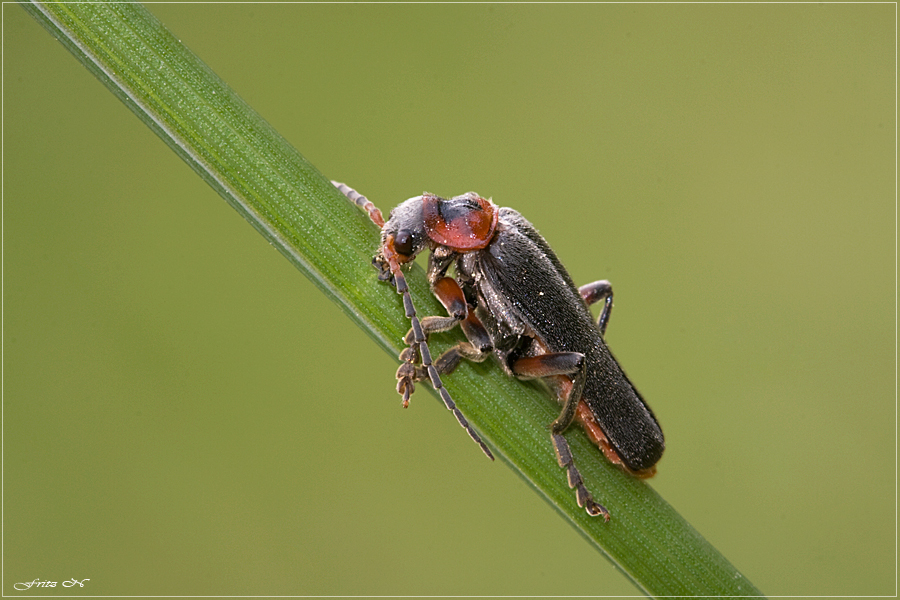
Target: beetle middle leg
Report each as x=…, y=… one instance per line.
x=567, y=364
x=477, y=347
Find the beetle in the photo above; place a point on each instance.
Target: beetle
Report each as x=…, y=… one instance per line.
x=514, y=300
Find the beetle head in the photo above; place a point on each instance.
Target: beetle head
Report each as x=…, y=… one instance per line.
x=462, y=224
x=403, y=235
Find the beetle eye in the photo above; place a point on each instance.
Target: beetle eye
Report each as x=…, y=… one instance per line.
x=403, y=242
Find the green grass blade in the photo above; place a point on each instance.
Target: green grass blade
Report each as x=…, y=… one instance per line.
x=295, y=207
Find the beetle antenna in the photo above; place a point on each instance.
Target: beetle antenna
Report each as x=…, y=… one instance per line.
x=361, y=201
x=418, y=345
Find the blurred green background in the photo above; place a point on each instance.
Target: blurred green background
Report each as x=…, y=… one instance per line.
x=184, y=413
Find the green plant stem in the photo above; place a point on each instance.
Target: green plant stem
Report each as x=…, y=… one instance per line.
x=296, y=208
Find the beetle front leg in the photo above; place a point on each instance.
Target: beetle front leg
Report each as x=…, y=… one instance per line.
x=595, y=292
x=571, y=364
x=448, y=292
x=450, y=295
x=476, y=349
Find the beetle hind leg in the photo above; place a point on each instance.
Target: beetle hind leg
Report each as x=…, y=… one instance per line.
x=569, y=366
x=567, y=462
x=553, y=364
x=595, y=292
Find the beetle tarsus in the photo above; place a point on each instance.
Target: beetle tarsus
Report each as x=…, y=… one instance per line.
x=567, y=462
x=405, y=387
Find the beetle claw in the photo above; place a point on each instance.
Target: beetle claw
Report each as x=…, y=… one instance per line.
x=595, y=510
x=405, y=387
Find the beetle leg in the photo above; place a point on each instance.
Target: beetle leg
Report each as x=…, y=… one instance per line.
x=567, y=462
x=445, y=364
x=408, y=372
x=594, y=292
x=449, y=360
x=479, y=345
x=557, y=363
x=571, y=364
x=477, y=348
x=447, y=290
